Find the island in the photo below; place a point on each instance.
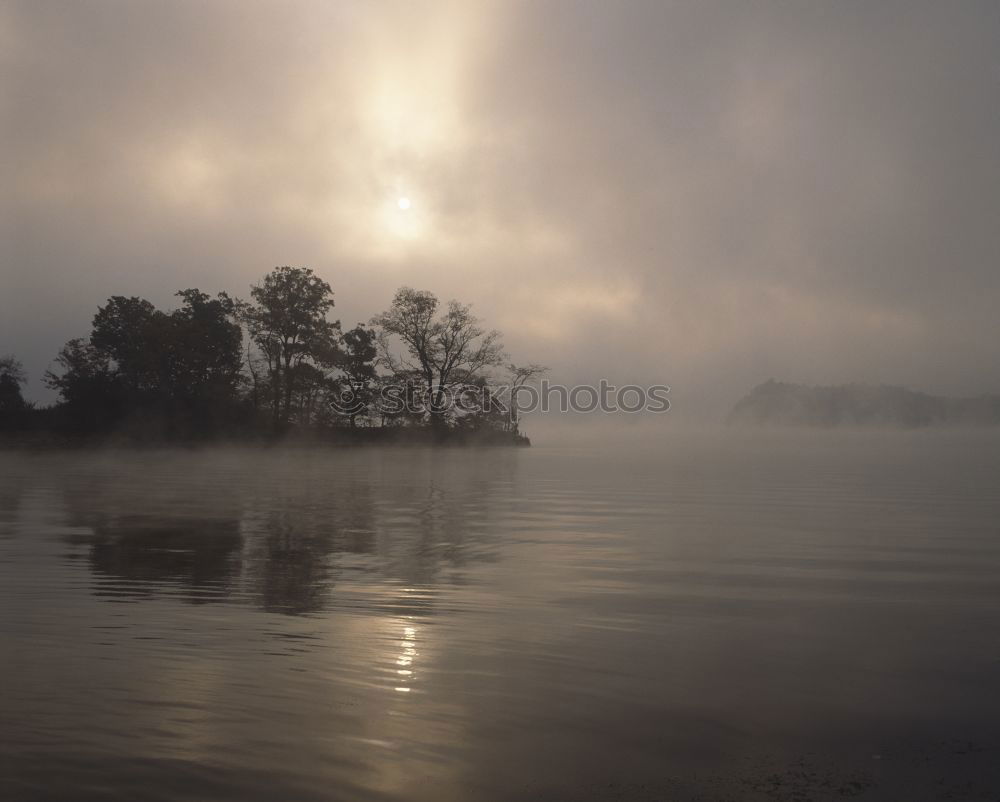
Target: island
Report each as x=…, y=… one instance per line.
x=775, y=403
x=273, y=368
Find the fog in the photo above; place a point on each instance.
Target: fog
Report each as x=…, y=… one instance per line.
x=702, y=195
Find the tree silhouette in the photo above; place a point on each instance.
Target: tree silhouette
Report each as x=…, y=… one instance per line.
x=447, y=352
x=12, y=403
x=357, y=361
x=189, y=372
x=287, y=322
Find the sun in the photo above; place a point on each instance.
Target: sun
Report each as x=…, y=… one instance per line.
x=402, y=217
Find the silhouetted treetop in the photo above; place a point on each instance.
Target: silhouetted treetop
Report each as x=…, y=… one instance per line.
x=12, y=376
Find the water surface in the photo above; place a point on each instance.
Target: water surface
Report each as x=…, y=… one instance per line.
x=705, y=617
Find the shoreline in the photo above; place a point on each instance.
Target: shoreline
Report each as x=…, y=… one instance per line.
x=346, y=438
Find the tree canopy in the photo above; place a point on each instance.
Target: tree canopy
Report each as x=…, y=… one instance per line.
x=273, y=363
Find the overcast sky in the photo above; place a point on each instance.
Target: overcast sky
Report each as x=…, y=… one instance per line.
x=704, y=194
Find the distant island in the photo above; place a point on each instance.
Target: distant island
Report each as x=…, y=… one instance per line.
x=273, y=368
x=784, y=404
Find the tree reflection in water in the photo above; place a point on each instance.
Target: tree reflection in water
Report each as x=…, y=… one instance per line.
x=279, y=535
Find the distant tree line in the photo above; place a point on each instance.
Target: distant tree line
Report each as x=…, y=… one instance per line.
x=776, y=403
x=272, y=365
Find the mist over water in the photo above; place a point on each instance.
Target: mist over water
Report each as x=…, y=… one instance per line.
x=274, y=274
x=699, y=616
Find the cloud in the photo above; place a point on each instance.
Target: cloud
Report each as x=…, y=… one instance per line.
x=701, y=194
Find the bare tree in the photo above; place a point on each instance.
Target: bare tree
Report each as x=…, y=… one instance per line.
x=519, y=376
x=445, y=351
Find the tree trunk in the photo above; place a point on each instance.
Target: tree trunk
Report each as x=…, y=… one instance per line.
x=276, y=399
x=288, y=390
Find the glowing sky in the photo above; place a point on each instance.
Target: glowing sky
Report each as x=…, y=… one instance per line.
x=704, y=194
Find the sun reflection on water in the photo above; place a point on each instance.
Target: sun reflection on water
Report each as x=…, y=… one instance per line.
x=408, y=651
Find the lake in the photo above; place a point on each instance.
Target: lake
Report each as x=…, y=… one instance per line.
x=694, y=616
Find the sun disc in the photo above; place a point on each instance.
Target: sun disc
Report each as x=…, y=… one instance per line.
x=403, y=204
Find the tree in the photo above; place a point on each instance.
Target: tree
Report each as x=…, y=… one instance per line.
x=446, y=352
x=12, y=376
x=13, y=369
x=479, y=407
x=287, y=322
x=90, y=388
x=176, y=372
x=312, y=385
x=519, y=376
x=124, y=331
x=357, y=361
x=201, y=355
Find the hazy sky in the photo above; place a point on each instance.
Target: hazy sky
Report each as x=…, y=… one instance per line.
x=704, y=194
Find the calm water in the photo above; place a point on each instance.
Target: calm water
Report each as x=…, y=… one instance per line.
x=786, y=618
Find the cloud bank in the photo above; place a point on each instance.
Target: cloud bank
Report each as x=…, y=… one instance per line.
x=702, y=194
